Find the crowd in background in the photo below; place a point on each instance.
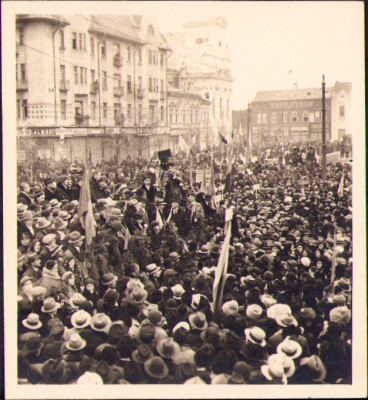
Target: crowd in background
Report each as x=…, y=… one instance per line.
x=136, y=305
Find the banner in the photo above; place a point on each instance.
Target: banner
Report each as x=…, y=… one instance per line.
x=85, y=213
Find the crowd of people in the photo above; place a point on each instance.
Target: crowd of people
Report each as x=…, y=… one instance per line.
x=135, y=306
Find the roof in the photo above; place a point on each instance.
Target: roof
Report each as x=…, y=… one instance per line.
x=293, y=94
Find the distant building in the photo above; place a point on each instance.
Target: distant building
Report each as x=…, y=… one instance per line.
x=201, y=50
x=295, y=115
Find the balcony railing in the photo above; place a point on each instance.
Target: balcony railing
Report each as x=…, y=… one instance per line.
x=22, y=85
x=64, y=85
x=118, y=60
x=118, y=91
x=81, y=119
x=140, y=93
x=94, y=87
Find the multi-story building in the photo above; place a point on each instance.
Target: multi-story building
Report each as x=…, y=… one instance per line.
x=89, y=84
x=201, y=49
x=295, y=115
x=188, y=111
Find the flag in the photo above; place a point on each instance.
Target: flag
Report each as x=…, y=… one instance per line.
x=340, y=190
x=223, y=139
x=221, y=270
x=85, y=213
x=183, y=146
x=229, y=172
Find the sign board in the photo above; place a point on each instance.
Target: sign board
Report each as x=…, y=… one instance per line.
x=333, y=158
x=41, y=131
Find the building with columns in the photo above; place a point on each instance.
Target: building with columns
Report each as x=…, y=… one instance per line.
x=200, y=49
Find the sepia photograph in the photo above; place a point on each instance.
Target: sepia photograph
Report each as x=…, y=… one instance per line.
x=184, y=199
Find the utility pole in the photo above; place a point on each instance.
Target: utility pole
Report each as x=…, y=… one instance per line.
x=324, y=167
x=248, y=132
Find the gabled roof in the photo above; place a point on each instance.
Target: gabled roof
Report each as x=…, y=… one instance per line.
x=293, y=94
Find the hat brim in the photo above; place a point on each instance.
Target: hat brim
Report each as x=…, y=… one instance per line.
x=32, y=327
x=136, y=357
x=164, y=373
x=85, y=324
x=248, y=338
x=194, y=326
x=298, y=352
x=75, y=241
x=105, y=328
x=280, y=323
x=56, y=307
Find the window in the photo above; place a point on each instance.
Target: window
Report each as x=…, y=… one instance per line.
x=81, y=80
x=227, y=108
x=21, y=35
x=129, y=54
x=62, y=73
x=103, y=49
x=162, y=113
x=85, y=75
x=63, y=109
x=24, y=109
x=161, y=60
x=129, y=111
x=139, y=82
x=117, y=112
x=220, y=108
x=171, y=115
x=62, y=44
x=150, y=30
x=259, y=118
x=104, y=80
x=311, y=117
x=149, y=56
x=140, y=56
x=93, y=110
x=92, y=44
x=84, y=42
x=140, y=111
x=156, y=85
x=151, y=112
x=18, y=109
x=104, y=110
x=285, y=117
x=196, y=116
x=294, y=116
x=23, y=72
x=117, y=78
x=162, y=86
x=274, y=117
x=129, y=84
x=154, y=57
x=305, y=116
x=80, y=41
x=74, y=41
x=264, y=118
x=93, y=75
x=116, y=49
x=75, y=74
x=150, y=84
x=342, y=111
x=317, y=116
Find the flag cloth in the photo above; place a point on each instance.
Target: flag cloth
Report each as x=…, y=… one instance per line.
x=85, y=213
x=223, y=139
x=183, y=146
x=220, y=273
x=340, y=190
x=230, y=170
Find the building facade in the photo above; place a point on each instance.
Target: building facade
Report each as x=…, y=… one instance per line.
x=87, y=84
x=200, y=49
x=295, y=116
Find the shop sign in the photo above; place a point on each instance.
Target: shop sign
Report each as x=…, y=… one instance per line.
x=41, y=131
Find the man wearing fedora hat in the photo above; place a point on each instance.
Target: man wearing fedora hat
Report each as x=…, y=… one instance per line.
x=51, y=250
x=63, y=188
x=50, y=186
x=42, y=227
x=75, y=250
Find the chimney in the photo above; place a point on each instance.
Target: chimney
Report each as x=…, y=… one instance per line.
x=295, y=85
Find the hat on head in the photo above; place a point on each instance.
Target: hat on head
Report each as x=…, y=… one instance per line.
x=286, y=362
x=255, y=335
x=155, y=317
x=38, y=291
x=26, y=215
x=152, y=268
x=47, y=239
x=54, y=203
x=76, y=300
x=25, y=279
x=204, y=355
x=305, y=261
x=50, y=305
x=32, y=321
x=75, y=343
x=137, y=296
x=178, y=291
x=156, y=367
x=55, y=371
x=254, y=311
x=291, y=348
x=286, y=319
x=75, y=237
x=242, y=368
x=316, y=365
x=42, y=223
x=33, y=345
x=147, y=333
x=340, y=315
x=167, y=348
x=277, y=309
x=344, y=284
x=198, y=320
x=80, y=319
x=142, y=353
x=90, y=378
x=21, y=208
x=59, y=224
x=230, y=307
x=100, y=322
x=62, y=178
x=108, y=278
x=110, y=297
